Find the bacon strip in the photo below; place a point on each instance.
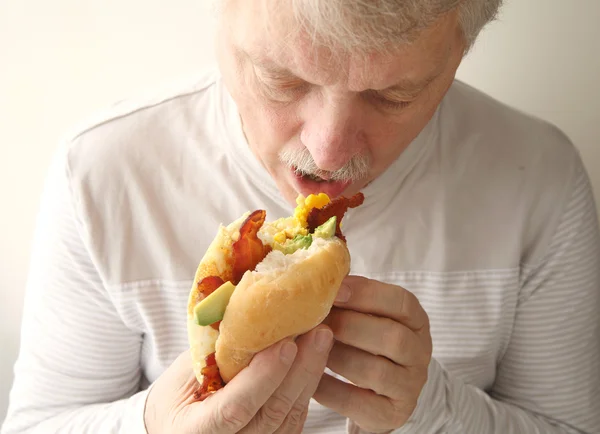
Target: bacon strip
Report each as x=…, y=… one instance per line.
x=212, y=379
x=248, y=250
x=208, y=285
x=336, y=207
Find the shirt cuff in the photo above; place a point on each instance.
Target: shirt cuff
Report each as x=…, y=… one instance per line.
x=133, y=420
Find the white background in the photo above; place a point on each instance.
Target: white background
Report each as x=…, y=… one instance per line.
x=61, y=60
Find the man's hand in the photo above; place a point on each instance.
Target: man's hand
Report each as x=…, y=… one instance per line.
x=383, y=346
x=270, y=395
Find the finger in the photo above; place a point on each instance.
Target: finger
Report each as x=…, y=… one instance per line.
x=364, y=407
x=382, y=299
x=298, y=422
x=283, y=406
x=314, y=353
x=233, y=407
x=378, y=336
x=371, y=372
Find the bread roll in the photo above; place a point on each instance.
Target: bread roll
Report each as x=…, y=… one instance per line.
x=287, y=295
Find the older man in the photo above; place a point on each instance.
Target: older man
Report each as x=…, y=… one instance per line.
x=475, y=284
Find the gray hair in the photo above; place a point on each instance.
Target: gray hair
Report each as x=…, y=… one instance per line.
x=301, y=161
x=366, y=25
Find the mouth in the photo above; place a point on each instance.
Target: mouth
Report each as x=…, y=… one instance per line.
x=308, y=176
x=308, y=183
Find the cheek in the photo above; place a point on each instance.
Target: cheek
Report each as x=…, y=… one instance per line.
x=386, y=139
x=274, y=127
x=388, y=135
x=267, y=128
x=385, y=131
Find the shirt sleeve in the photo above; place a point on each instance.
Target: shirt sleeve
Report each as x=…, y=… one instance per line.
x=548, y=380
x=78, y=368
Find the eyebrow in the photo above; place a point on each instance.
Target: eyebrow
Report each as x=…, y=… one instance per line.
x=261, y=61
x=274, y=68
x=405, y=86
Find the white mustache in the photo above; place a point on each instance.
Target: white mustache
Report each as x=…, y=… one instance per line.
x=302, y=161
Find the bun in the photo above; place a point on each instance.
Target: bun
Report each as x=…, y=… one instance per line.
x=287, y=295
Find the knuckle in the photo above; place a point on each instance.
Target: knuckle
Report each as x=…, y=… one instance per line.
x=429, y=347
x=275, y=411
x=394, y=339
x=426, y=320
x=420, y=379
x=339, y=320
x=314, y=367
x=377, y=375
x=424, y=351
x=424, y=358
x=296, y=416
x=350, y=404
x=311, y=370
x=400, y=300
x=387, y=378
x=234, y=415
x=425, y=327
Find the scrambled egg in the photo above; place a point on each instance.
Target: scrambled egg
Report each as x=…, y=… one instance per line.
x=297, y=224
x=304, y=206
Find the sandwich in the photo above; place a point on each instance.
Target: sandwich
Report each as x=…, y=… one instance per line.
x=260, y=282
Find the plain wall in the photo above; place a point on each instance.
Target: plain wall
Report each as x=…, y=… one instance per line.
x=61, y=60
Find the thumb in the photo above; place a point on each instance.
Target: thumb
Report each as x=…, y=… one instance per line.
x=231, y=408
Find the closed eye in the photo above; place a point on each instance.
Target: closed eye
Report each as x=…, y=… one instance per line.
x=386, y=102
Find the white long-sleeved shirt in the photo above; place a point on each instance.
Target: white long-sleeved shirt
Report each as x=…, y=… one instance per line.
x=488, y=218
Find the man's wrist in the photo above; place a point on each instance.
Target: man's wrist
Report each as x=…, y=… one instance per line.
x=139, y=415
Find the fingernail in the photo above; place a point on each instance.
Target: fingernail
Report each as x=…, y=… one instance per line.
x=323, y=340
x=288, y=352
x=343, y=294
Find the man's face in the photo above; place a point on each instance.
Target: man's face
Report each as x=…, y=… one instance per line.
x=307, y=114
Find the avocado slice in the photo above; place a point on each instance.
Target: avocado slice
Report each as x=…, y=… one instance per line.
x=212, y=308
x=327, y=229
x=296, y=243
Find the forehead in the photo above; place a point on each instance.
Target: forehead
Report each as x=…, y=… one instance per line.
x=277, y=43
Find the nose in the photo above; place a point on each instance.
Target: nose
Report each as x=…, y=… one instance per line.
x=331, y=132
